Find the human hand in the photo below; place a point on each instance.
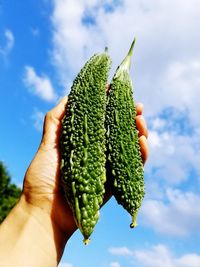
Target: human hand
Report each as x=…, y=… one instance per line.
x=143, y=132
x=42, y=187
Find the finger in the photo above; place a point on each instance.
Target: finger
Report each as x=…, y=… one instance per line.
x=139, y=108
x=59, y=110
x=52, y=122
x=144, y=148
x=141, y=126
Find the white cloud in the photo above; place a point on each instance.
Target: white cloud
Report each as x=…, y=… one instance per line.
x=173, y=145
x=9, y=43
x=157, y=256
x=164, y=147
x=188, y=260
x=181, y=87
x=122, y=251
x=114, y=264
x=38, y=119
x=158, y=123
x=178, y=214
x=39, y=85
x=173, y=142
x=154, y=139
x=160, y=255
x=69, y=37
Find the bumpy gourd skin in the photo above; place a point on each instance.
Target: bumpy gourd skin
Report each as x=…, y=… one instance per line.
x=124, y=162
x=83, y=145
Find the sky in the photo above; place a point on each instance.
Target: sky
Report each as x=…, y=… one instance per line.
x=43, y=45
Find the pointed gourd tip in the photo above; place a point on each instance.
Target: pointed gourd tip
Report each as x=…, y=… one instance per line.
x=130, y=53
x=86, y=241
x=134, y=222
x=131, y=48
x=126, y=63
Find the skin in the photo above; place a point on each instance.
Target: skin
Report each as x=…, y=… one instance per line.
x=41, y=223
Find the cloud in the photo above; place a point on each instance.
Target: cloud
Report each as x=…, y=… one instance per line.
x=156, y=256
x=160, y=255
x=38, y=119
x=188, y=260
x=68, y=35
x=180, y=87
x=122, y=251
x=114, y=264
x=39, y=85
x=173, y=142
x=177, y=214
x=164, y=147
x=9, y=43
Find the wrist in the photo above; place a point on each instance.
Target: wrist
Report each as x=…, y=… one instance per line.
x=51, y=232
x=28, y=233
x=32, y=236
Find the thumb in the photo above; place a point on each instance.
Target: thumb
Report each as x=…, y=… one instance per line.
x=52, y=123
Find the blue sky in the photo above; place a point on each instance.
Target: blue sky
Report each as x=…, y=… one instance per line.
x=43, y=45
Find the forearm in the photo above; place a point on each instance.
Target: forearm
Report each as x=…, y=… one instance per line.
x=29, y=237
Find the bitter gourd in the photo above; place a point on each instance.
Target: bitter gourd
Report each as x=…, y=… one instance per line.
x=124, y=162
x=82, y=143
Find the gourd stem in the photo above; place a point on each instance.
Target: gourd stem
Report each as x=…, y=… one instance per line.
x=126, y=63
x=124, y=67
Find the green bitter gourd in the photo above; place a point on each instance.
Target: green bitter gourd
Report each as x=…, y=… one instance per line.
x=124, y=162
x=82, y=143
